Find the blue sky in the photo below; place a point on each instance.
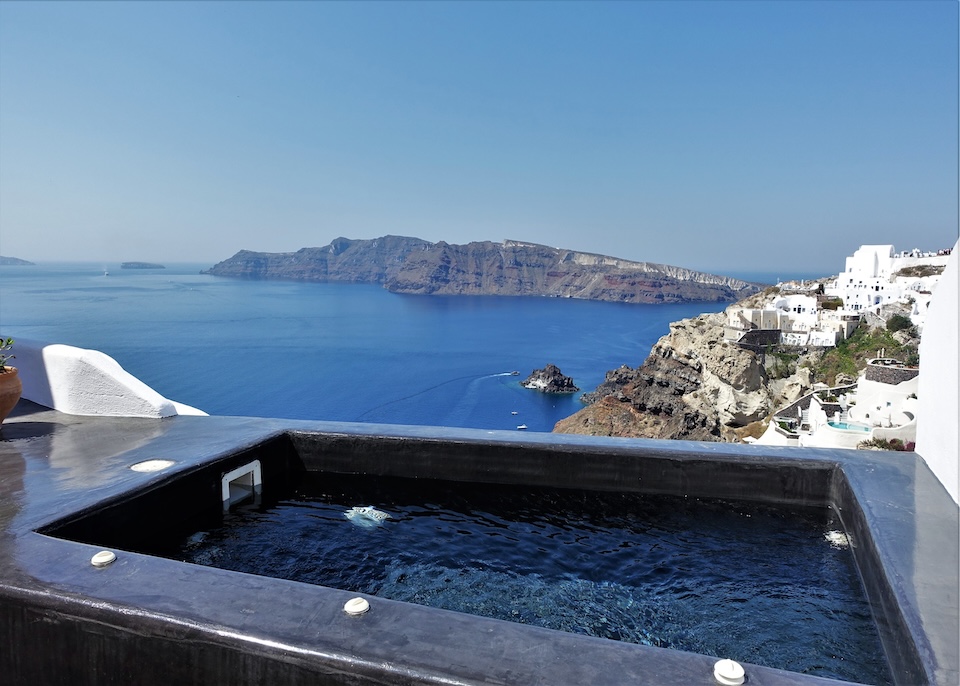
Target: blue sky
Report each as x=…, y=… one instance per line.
x=724, y=136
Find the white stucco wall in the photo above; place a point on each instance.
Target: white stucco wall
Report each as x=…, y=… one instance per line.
x=87, y=382
x=882, y=404
x=868, y=280
x=871, y=261
x=939, y=418
x=746, y=318
x=823, y=339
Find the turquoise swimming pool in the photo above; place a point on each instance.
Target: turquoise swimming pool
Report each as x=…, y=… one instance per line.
x=845, y=426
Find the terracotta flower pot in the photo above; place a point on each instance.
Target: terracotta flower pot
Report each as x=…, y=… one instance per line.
x=10, y=390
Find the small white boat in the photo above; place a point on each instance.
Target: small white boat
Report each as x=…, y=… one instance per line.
x=521, y=427
x=514, y=412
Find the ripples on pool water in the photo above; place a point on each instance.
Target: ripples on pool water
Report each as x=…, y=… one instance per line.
x=748, y=582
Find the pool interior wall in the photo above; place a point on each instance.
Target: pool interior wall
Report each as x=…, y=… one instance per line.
x=716, y=577
x=133, y=523
x=153, y=620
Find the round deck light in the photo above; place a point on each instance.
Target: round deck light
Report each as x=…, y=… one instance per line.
x=728, y=673
x=151, y=465
x=356, y=606
x=103, y=558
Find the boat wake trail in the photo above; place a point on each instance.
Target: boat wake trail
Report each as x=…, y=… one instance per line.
x=427, y=390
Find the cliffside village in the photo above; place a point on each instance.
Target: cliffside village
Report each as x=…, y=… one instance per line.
x=882, y=403
x=824, y=312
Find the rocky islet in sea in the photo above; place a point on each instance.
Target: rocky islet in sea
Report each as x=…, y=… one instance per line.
x=549, y=380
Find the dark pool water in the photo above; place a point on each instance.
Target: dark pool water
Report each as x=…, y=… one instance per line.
x=753, y=583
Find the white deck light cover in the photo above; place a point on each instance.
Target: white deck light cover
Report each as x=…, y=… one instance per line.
x=728, y=673
x=151, y=465
x=103, y=558
x=356, y=606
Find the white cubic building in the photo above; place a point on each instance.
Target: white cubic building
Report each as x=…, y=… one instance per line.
x=869, y=280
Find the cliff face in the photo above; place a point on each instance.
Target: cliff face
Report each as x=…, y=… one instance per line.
x=692, y=386
x=411, y=265
x=373, y=261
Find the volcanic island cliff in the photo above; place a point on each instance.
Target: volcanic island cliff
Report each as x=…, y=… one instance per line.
x=415, y=266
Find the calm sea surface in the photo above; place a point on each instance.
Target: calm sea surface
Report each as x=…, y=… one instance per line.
x=332, y=351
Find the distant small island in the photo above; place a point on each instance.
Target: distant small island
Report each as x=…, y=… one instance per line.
x=13, y=262
x=141, y=265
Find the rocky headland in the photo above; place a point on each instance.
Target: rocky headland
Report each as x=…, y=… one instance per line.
x=549, y=380
x=415, y=266
x=692, y=386
x=14, y=262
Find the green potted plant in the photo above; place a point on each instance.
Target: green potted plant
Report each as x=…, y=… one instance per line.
x=10, y=386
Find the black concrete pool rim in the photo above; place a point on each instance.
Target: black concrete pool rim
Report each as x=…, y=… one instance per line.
x=154, y=620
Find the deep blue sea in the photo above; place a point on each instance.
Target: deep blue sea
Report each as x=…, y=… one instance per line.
x=341, y=352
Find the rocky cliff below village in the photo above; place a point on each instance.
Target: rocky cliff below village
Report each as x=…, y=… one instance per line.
x=415, y=266
x=696, y=386
x=693, y=386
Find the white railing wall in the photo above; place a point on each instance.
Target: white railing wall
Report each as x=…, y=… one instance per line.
x=86, y=382
x=937, y=419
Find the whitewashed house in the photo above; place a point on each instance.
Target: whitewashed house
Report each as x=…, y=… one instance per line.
x=882, y=404
x=798, y=313
x=869, y=280
x=795, y=316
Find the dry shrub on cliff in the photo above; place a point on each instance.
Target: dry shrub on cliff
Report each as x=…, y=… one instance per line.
x=851, y=355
